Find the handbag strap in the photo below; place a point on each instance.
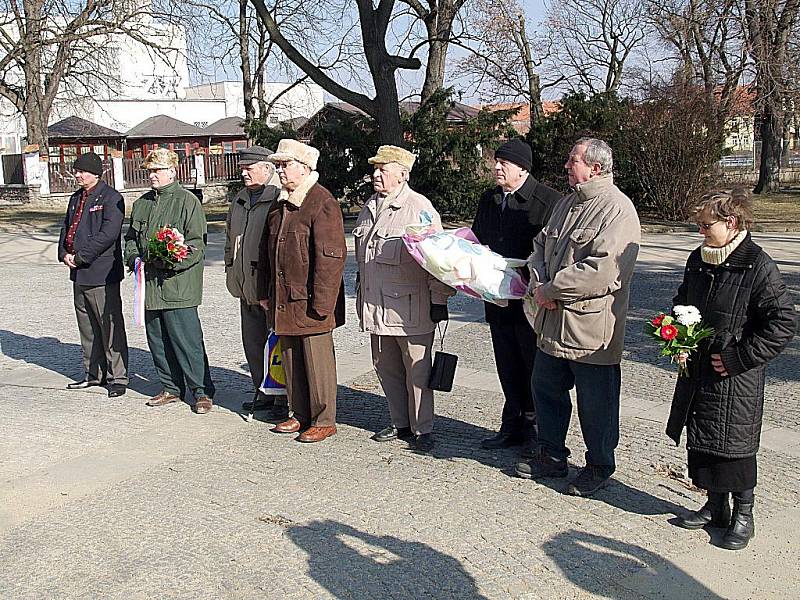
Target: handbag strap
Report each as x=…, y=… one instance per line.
x=442, y=333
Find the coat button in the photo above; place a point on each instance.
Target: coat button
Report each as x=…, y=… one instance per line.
x=281, y=274
x=283, y=239
x=281, y=307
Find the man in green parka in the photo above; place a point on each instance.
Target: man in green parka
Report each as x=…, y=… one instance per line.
x=172, y=291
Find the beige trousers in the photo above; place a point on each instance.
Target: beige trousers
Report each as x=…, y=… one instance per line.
x=310, y=366
x=403, y=365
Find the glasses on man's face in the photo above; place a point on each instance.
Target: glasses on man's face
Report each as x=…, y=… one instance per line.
x=283, y=164
x=707, y=226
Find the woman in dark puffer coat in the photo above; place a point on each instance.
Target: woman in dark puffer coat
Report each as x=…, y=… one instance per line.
x=739, y=292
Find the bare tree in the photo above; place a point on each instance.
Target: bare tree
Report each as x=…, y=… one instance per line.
x=504, y=60
x=593, y=40
x=373, y=24
x=707, y=38
x=438, y=16
x=51, y=49
x=770, y=24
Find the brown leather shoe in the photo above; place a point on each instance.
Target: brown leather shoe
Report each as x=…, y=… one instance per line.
x=162, y=399
x=316, y=434
x=290, y=425
x=203, y=405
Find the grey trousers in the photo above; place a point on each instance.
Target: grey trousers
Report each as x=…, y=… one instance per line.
x=403, y=365
x=102, y=329
x=310, y=366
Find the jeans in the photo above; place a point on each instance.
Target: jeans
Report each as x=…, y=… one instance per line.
x=598, y=388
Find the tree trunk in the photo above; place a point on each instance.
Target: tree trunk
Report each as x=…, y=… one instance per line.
x=434, y=73
x=35, y=117
x=244, y=58
x=769, y=172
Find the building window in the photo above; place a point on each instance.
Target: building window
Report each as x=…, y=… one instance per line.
x=273, y=119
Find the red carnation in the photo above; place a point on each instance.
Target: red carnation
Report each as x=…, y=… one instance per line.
x=669, y=332
x=170, y=247
x=160, y=236
x=657, y=320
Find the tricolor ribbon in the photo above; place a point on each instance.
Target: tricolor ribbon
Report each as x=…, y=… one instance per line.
x=138, y=292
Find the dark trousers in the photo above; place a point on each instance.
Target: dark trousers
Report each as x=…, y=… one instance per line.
x=514, y=347
x=175, y=339
x=597, y=387
x=310, y=366
x=255, y=331
x=102, y=329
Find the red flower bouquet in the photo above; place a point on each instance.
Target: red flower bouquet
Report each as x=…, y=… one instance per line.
x=679, y=334
x=167, y=246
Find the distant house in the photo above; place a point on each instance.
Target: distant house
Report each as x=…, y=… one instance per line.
x=521, y=120
x=226, y=136
x=73, y=136
x=457, y=114
x=162, y=131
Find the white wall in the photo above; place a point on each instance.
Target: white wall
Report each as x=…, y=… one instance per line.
x=301, y=101
x=121, y=115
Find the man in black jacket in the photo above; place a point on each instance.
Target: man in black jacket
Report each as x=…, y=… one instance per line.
x=509, y=217
x=90, y=246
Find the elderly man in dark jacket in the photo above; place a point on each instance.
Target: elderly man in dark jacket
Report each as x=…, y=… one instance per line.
x=89, y=245
x=300, y=285
x=509, y=217
x=245, y=226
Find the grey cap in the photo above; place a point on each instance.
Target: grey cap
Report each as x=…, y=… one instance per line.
x=254, y=154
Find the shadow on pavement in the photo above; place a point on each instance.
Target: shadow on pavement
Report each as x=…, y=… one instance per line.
x=354, y=564
x=583, y=558
x=454, y=438
x=65, y=359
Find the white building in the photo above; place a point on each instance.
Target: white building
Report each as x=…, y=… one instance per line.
x=140, y=82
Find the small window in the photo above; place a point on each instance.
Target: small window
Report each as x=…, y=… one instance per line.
x=273, y=119
x=99, y=150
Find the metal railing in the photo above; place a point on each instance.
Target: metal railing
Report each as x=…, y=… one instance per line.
x=62, y=178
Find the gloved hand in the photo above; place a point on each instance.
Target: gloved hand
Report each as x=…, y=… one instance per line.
x=439, y=313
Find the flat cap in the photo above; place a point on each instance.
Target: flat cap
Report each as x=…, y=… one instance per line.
x=393, y=154
x=254, y=154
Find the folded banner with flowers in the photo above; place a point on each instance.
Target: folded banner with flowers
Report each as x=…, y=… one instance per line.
x=167, y=245
x=678, y=334
x=456, y=258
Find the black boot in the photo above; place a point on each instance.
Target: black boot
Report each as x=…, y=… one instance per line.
x=742, y=526
x=716, y=512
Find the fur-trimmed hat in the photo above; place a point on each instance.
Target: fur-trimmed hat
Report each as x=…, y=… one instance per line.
x=393, y=154
x=90, y=163
x=517, y=152
x=161, y=158
x=289, y=149
x=254, y=154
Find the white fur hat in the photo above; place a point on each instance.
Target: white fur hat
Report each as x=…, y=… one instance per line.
x=289, y=149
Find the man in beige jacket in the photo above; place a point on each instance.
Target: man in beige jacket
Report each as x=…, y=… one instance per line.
x=397, y=301
x=581, y=270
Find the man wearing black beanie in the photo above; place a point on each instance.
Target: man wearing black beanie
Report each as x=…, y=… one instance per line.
x=90, y=246
x=508, y=218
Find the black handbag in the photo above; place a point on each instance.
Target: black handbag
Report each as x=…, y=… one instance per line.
x=443, y=371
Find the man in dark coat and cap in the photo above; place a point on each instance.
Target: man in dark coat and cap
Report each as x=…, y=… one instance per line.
x=509, y=216
x=89, y=245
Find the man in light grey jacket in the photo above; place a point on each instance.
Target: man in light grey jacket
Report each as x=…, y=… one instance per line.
x=245, y=225
x=581, y=270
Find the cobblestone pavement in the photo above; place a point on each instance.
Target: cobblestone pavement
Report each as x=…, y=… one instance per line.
x=107, y=498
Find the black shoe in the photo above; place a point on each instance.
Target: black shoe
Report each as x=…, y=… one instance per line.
x=116, y=390
x=541, y=467
x=259, y=402
x=423, y=443
x=589, y=480
x=502, y=440
x=716, y=512
x=393, y=433
x=278, y=412
x=530, y=448
x=742, y=527
x=82, y=385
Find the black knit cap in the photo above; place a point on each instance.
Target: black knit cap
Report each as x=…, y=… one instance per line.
x=89, y=162
x=517, y=152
